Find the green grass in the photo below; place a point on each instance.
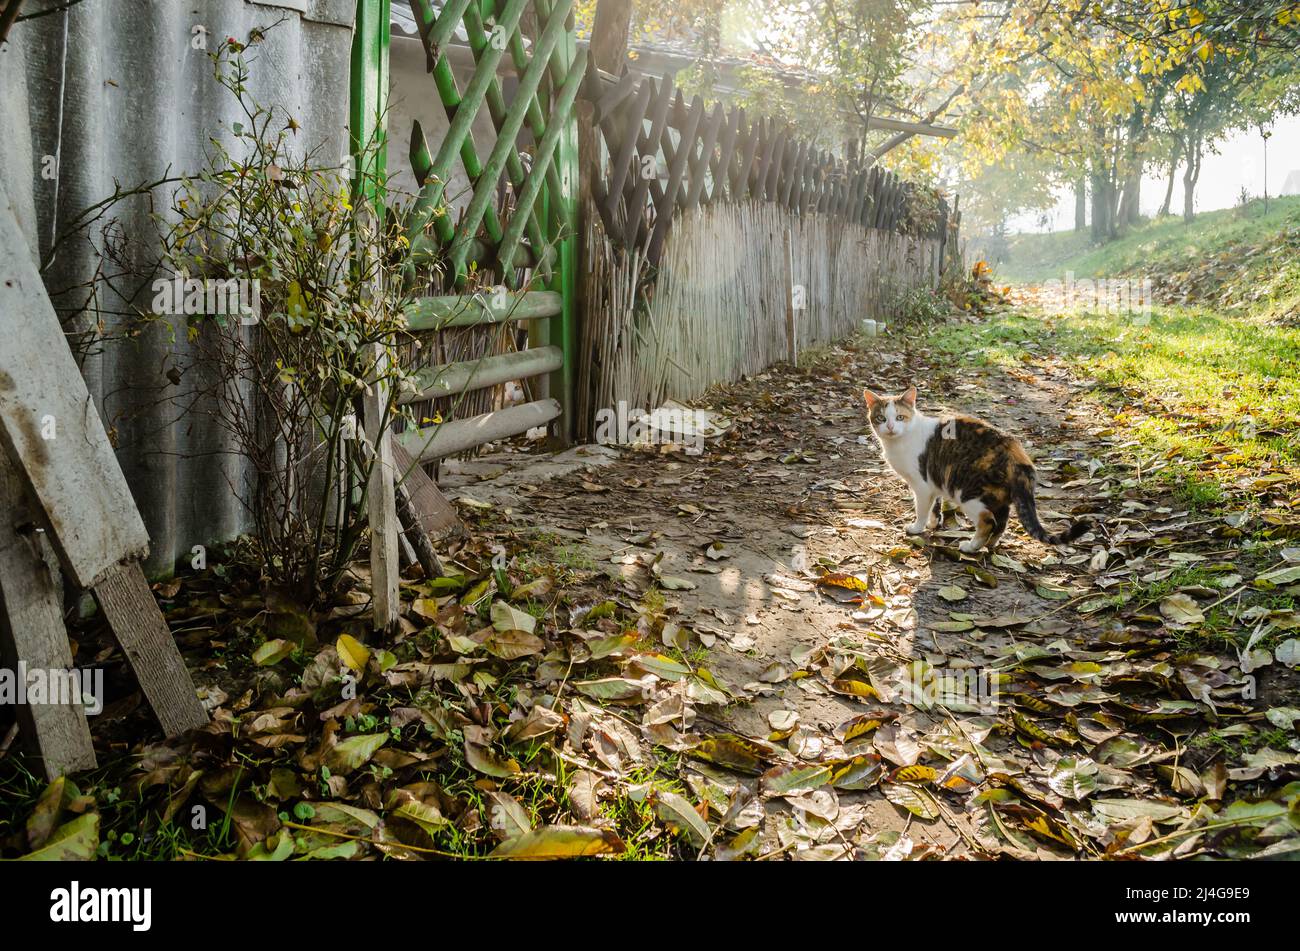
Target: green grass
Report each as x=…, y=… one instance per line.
x=1201, y=406
x=1166, y=242
x=1205, y=400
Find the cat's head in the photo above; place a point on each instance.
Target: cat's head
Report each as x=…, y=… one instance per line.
x=891, y=415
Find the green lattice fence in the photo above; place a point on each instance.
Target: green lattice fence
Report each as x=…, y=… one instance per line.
x=506, y=256
x=511, y=262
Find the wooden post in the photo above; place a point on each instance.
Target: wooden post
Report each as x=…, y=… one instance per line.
x=367, y=109
x=606, y=51
x=31, y=632
x=791, y=330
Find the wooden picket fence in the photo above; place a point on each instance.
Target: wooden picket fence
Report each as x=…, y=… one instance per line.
x=666, y=156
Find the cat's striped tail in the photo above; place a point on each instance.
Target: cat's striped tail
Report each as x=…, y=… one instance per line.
x=1022, y=493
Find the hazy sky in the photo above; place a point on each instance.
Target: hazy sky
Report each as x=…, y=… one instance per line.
x=1238, y=163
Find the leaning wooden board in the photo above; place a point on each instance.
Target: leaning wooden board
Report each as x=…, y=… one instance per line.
x=31, y=631
x=51, y=428
x=53, y=437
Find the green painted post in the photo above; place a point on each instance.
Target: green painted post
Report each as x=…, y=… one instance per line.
x=368, y=102
x=564, y=206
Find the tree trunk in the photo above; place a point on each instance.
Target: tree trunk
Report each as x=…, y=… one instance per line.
x=1100, y=208
x=1190, y=175
x=1080, y=204
x=1173, y=174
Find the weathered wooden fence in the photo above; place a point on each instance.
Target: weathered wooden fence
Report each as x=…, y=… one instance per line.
x=506, y=258
x=688, y=280
x=716, y=311
x=667, y=157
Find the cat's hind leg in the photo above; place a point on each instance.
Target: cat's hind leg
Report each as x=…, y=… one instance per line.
x=983, y=519
x=1001, y=515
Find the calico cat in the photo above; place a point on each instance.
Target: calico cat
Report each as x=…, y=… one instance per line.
x=965, y=460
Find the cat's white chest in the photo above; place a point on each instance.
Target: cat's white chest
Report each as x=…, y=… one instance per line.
x=904, y=454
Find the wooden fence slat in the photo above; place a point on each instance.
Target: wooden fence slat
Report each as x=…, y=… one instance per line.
x=447, y=439
x=700, y=163
x=772, y=168
x=633, y=121
x=131, y=611
x=472, y=310
x=665, y=210
x=452, y=379
x=790, y=191
x=740, y=182
x=721, y=169
x=608, y=103
x=649, y=145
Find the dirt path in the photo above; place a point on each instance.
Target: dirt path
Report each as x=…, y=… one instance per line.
x=745, y=538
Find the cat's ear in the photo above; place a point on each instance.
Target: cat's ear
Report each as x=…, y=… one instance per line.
x=871, y=398
x=909, y=398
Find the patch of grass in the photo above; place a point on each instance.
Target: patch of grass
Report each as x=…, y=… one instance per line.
x=1203, y=403
x=1034, y=258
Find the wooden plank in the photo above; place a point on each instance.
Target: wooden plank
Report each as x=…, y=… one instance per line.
x=648, y=146
x=473, y=310
x=51, y=429
x=664, y=217
x=145, y=639
x=447, y=439
x=31, y=631
x=435, y=515
x=381, y=508
x=699, y=164
x=456, y=378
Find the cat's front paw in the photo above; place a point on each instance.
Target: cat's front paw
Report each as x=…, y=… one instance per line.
x=969, y=546
x=916, y=528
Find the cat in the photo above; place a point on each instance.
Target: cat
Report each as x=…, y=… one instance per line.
x=965, y=460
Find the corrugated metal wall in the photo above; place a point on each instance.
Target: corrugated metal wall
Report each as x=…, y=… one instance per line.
x=116, y=90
